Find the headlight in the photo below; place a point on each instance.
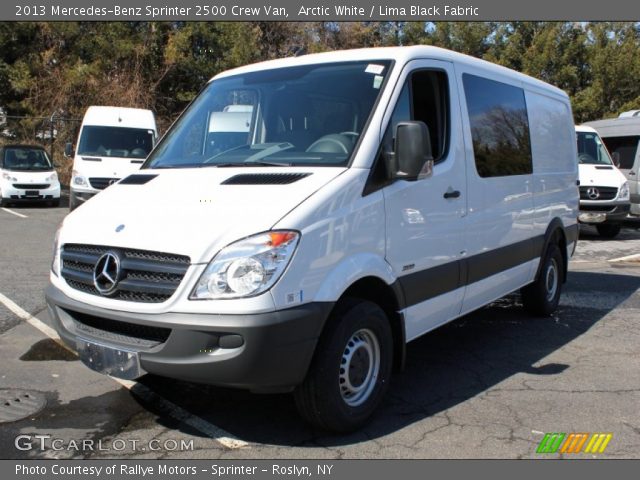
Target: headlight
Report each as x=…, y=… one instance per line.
x=55, y=263
x=624, y=191
x=247, y=267
x=53, y=177
x=78, y=179
x=6, y=176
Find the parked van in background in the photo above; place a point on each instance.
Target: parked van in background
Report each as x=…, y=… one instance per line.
x=604, y=191
x=621, y=136
x=373, y=196
x=113, y=142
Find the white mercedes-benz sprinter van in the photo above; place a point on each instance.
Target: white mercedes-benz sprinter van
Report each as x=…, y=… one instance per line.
x=112, y=143
x=604, y=190
x=622, y=137
x=375, y=195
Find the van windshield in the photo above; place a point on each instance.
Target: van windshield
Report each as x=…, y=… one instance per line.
x=115, y=141
x=306, y=115
x=591, y=150
x=26, y=159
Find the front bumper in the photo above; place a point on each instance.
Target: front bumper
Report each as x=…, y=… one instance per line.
x=25, y=195
x=81, y=197
x=612, y=213
x=260, y=352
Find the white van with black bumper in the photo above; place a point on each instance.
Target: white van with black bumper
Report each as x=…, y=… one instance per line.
x=112, y=143
x=604, y=190
x=361, y=199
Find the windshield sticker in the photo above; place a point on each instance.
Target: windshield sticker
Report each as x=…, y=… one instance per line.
x=377, y=81
x=374, y=68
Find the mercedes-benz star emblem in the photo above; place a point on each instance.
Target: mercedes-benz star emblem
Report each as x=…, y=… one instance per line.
x=593, y=193
x=106, y=273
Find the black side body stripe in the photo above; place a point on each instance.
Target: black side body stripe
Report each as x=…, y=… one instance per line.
x=430, y=283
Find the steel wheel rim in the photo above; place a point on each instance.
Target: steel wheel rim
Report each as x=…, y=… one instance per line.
x=359, y=367
x=551, y=280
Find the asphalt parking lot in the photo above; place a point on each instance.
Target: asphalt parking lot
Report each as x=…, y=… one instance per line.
x=488, y=385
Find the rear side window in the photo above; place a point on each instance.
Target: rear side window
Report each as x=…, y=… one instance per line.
x=499, y=127
x=625, y=147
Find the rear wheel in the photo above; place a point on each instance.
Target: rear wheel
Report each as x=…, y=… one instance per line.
x=608, y=230
x=543, y=295
x=351, y=369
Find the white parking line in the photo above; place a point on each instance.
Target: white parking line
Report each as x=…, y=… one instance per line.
x=14, y=213
x=176, y=412
x=628, y=258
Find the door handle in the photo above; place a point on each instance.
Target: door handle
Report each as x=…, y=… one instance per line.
x=452, y=194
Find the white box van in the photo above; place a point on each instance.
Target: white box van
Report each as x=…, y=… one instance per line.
x=621, y=136
x=376, y=195
x=604, y=190
x=112, y=143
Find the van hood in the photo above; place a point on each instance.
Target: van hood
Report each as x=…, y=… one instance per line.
x=92, y=166
x=600, y=176
x=192, y=212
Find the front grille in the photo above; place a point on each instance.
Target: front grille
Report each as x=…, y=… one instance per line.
x=145, y=276
x=604, y=193
x=100, y=183
x=111, y=329
x=31, y=186
x=596, y=208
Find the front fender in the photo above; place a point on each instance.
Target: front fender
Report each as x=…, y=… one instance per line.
x=351, y=269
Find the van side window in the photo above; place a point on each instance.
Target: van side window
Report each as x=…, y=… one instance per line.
x=425, y=98
x=625, y=147
x=499, y=127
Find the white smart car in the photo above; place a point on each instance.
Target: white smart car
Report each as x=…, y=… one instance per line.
x=27, y=176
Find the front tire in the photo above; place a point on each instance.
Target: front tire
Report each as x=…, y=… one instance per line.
x=350, y=372
x=608, y=230
x=543, y=295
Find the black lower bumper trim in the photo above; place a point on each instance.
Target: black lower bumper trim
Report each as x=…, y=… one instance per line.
x=261, y=352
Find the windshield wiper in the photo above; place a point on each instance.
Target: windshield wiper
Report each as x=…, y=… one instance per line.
x=254, y=163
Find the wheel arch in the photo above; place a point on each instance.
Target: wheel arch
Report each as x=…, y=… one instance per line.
x=555, y=234
x=389, y=298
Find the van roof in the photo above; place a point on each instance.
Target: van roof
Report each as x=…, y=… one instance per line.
x=119, y=117
x=399, y=54
x=585, y=128
x=617, y=127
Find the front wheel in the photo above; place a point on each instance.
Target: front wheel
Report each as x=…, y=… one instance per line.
x=543, y=295
x=608, y=230
x=351, y=369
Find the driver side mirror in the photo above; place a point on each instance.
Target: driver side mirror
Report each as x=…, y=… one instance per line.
x=412, y=158
x=615, y=156
x=68, y=150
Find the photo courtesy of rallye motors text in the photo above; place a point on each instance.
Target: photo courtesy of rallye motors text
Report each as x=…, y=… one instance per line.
x=97, y=470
